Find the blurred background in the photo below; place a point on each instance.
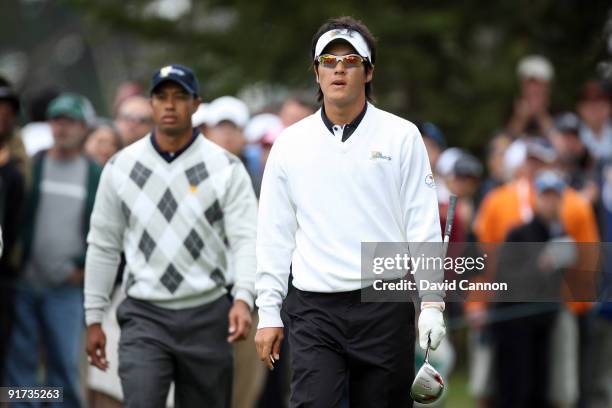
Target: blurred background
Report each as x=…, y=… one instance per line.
x=450, y=62
x=502, y=92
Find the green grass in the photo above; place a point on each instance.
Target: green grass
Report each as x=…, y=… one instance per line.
x=458, y=395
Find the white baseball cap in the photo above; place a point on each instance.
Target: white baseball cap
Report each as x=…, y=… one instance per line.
x=227, y=108
x=260, y=125
x=352, y=37
x=201, y=115
x=447, y=160
x=535, y=67
x=514, y=157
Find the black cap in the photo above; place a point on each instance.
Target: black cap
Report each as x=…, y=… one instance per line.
x=179, y=74
x=8, y=94
x=430, y=130
x=467, y=166
x=568, y=123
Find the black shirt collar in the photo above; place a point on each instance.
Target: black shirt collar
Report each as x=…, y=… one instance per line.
x=348, y=128
x=170, y=156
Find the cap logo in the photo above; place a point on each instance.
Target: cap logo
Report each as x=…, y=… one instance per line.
x=354, y=38
x=341, y=31
x=165, y=71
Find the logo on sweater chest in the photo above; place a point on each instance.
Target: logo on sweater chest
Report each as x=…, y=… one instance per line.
x=376, y=155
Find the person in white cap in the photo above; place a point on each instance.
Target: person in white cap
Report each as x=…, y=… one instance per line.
x=371, y=182
x=225, y=123
x=530, y=115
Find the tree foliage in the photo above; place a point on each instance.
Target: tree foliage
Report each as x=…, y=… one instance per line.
x=449, y=62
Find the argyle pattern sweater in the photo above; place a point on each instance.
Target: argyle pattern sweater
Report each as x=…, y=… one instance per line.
x=179, y=223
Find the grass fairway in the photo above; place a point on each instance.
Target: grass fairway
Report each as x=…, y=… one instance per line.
x=458, y=396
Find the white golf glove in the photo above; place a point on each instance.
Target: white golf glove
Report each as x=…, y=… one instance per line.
x=431, y=324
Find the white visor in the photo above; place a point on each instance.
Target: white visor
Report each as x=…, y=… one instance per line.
x=350, y=36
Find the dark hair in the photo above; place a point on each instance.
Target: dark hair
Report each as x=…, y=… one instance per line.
x=303, y=99
x=39, y=103
x=103, y=123
x=9, y=95
x=354, y=25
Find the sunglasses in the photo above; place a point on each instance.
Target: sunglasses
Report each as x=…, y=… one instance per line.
x=349, y=61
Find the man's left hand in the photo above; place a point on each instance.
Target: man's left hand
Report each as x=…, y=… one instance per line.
x=431, y=327
x=239, y=321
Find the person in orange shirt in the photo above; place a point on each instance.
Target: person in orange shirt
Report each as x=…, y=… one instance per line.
x=511, y=205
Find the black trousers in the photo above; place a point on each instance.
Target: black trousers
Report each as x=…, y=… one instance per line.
x=522, y=360
x=334, y=337
x=187, y=346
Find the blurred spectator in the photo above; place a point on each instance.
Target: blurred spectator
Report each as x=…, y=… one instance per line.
x=434, y=140
x=599, y=390
x=595, y=108
x=9, y=110
x=49, y=297
x=12, y=186
x=134, y=119
x=124, y=91
x=225, y=123
x=294, y=109
x=530, y=116
x=225, y=119
x=103, y=143
x=466, y=176
x=36, y=135
x=464, y=183
x=496, y=148
x=443, y=170
x=511, y=205
x=199, y=118
x=522, y=344
x=600, y=378
x=459, y=173
x=259, y=128
x=574, y=159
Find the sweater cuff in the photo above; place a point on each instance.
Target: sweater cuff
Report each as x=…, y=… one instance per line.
x=93, y=316
x=269, y=317
x=244, y=295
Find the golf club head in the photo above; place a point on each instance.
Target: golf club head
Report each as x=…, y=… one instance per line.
x=428, y=385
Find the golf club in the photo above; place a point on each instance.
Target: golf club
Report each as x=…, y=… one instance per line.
x=428, y=384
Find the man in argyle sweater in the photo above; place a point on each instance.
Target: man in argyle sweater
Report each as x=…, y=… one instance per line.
x=177, y=205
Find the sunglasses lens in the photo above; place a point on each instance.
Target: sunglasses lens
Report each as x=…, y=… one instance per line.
x=352, y=61
x=327, y=60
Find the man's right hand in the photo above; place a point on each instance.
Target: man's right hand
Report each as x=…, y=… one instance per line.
x=96, y=346
x=268, y=342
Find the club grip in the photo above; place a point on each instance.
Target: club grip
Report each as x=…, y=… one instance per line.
x=450, y=216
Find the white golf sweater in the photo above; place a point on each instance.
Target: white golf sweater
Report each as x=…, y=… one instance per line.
x=321, y=197
x=177, y=222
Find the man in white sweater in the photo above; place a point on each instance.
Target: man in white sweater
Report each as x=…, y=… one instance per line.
x=350, y=173
x=176, y=204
